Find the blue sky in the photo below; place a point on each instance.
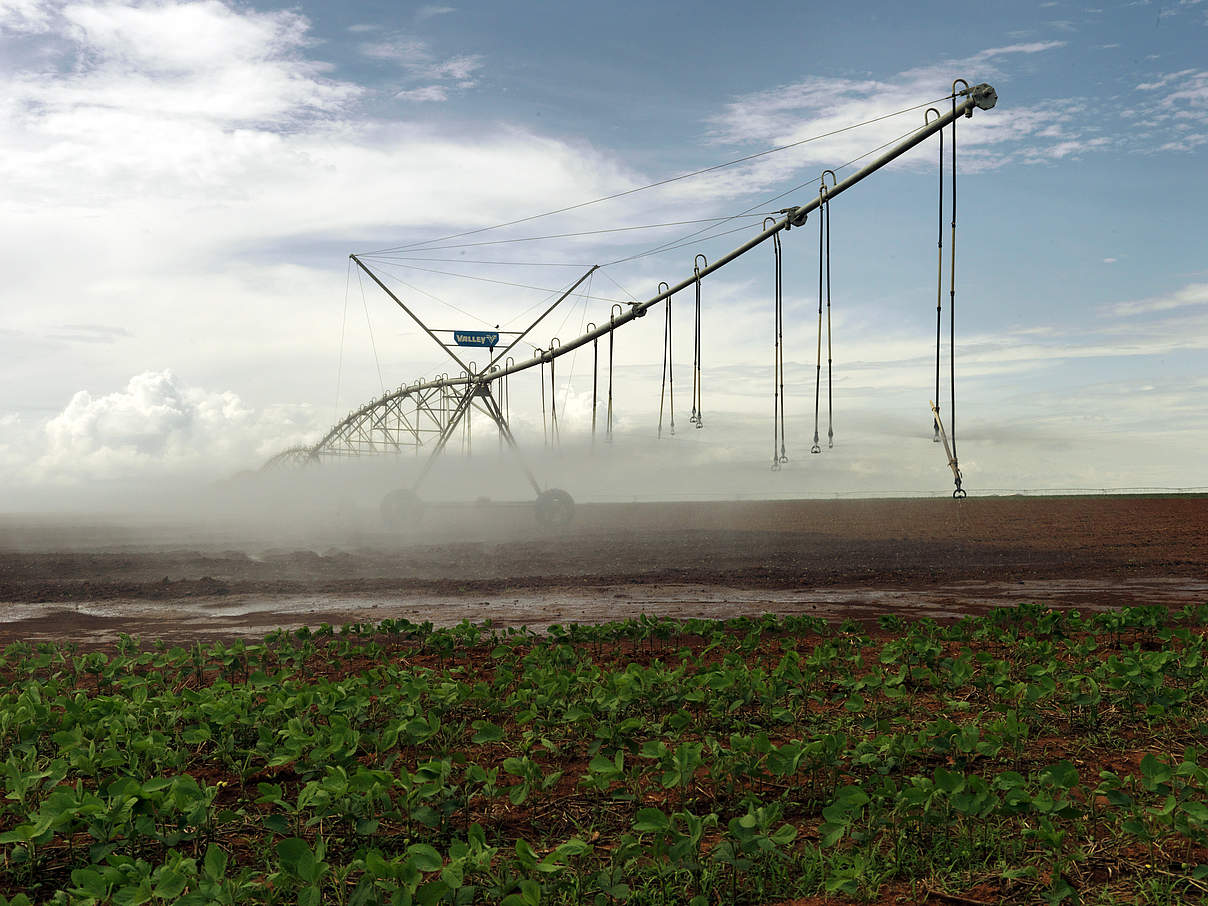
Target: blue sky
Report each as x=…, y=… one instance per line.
x=185, y=181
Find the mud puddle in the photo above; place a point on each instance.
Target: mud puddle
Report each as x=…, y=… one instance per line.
x=251, y=616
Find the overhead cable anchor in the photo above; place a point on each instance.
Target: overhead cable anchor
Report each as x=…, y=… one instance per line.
x=983, y=95
x=796, y=216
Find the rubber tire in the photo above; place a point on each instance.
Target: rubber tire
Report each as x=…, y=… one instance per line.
x=555, y=508
x=402, y=509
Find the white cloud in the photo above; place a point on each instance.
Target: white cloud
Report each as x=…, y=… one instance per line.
x=159, y=425
x=24, y=15
x=429, y=93
x=1191, y=295
x=400, y=49
x=820, y=105
x=1030, y=47
x=431, y=10
x=420, y=64
x=1178, y=102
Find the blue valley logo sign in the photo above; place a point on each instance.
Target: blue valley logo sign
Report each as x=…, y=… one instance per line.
x=488, y=338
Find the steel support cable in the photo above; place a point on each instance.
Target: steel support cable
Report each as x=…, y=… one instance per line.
x=668, y=367
x=343, y=326
x=435, y=298
x=586, y=298
x=539, y=289
x=688, y=238
x=572, y=235
x=662, y=182
x=698, y=407
x=372, y=342
x=613, y=281
x=405, y=258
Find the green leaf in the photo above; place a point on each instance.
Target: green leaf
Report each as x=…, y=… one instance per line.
x=133, y=895
x=529, y=895
x=170, y=885
x=90, y=883
x=650, y=821
x=1135, y=827
x=424, y=857
x=215, y=862
x=487, y=732
x=525, y=853
x=195, y=735
x=949, y=781
x=296, y=858
x=830, y=833
x=785, y=835
x=1062, y=774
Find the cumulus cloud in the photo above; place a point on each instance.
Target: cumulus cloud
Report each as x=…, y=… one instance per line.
x=158, y=425
x=1191, y=295
x=822, y=106
x=1175, y=115
x=24, y=15
x=429, y=76
x=431, y=10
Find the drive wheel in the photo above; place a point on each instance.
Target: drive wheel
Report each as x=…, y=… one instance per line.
x=402, y=509
x=555, y=508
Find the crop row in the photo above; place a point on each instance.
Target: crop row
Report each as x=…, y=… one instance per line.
x=1051, y=755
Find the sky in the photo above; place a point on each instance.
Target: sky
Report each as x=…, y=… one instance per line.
x=184, y=182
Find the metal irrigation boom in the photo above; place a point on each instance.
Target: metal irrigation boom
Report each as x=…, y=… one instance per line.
x=473, y=385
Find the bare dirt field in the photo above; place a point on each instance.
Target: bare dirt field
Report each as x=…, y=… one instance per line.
x=90, y=580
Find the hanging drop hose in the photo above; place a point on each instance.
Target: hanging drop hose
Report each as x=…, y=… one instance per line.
x=668, y=365
x=507, y=390
x=595, y=380
x=612, y=317
x=469, y=437
x=553, y=396
x=698, y=409
x=959, y=493
x=544, y=427
x=817, y=448
x=939, y=279
x=777, y=358
x=830, y=396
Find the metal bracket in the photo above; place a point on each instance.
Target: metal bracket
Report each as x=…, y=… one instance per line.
x=983, y=95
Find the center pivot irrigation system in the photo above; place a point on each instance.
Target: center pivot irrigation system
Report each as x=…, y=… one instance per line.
x=430, y=411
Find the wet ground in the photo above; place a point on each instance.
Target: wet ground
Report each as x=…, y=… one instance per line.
x=92, y=579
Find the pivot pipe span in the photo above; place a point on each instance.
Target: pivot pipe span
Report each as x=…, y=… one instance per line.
x=979, y=97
